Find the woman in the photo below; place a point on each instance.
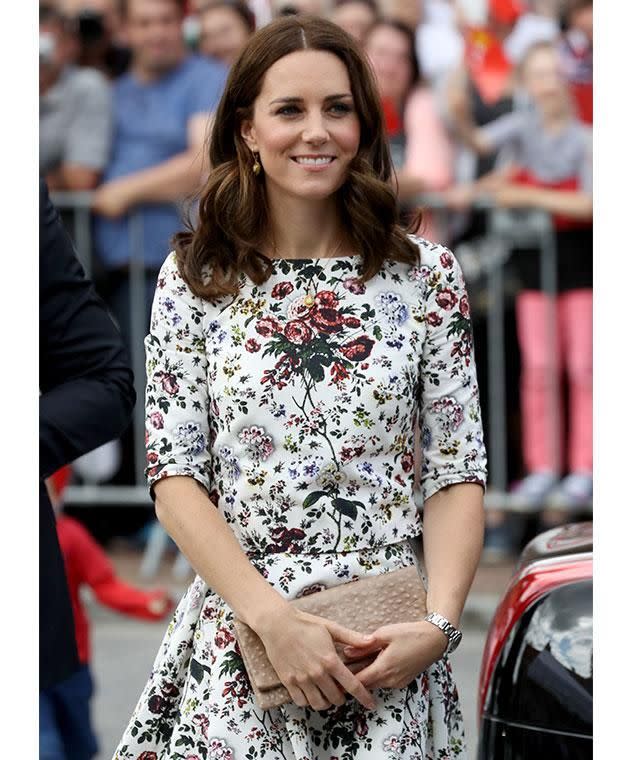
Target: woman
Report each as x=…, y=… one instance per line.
x=296, y=334
x=225, y=27
x=546, y=163
x=421, y=151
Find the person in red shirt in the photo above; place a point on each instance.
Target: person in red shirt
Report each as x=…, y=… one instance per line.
x=576, y=49
x=66, y=732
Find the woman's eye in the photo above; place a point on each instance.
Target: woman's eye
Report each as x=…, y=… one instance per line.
x=287, y=110
x=341, y=108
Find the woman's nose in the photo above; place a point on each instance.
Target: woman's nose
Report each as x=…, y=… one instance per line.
x=315, y=130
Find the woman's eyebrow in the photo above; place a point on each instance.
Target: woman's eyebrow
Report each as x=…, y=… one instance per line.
x=338, y=96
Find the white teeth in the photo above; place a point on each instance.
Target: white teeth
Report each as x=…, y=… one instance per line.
x=314, y=161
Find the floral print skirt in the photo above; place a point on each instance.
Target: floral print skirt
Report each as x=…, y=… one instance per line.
x=198, y=704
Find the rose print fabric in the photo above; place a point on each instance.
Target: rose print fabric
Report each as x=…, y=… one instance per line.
x=294, y=405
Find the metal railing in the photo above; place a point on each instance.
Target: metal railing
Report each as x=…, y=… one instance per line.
x=506, y=230
x=80, y=206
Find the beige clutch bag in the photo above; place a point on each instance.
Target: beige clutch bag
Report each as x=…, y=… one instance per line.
x=362, y=605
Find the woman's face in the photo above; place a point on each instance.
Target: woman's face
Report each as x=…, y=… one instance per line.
x=355, y=18
x=223, y=34
x=543, y=79
x=304, y=126
x=388, y=51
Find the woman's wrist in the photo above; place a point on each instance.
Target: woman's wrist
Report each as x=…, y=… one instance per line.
x=263, y=615
x=434, y=634
x=452, y=612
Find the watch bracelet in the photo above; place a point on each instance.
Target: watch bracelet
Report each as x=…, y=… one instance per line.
x=453, y=634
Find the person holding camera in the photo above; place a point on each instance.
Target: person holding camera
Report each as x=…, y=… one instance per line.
x=99, y=29
x=75, y=109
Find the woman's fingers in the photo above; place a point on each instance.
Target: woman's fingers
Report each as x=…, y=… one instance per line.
x=331, y=690
x=352, y=685
x=346, y=635
x=297, y=695
x=317, y=680
x=371, y=674
x=314, y=696
x=354, y=652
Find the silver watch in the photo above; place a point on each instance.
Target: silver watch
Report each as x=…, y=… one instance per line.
x=452, y=634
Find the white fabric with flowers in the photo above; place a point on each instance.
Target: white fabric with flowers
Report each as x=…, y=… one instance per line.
x=294, y=405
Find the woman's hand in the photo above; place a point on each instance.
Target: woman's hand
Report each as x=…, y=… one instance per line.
x=300, y=646
x=407, y=649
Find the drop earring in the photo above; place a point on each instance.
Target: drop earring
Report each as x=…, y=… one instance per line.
x=256, y=167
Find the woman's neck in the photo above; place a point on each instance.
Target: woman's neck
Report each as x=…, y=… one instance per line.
x=304, y=229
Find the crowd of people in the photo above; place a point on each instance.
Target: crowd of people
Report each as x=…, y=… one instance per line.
x=482, y=100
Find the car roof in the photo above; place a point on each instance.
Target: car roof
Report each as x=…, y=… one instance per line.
x=574, y=538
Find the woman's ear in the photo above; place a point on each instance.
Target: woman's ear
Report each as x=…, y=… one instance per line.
x=248, y=133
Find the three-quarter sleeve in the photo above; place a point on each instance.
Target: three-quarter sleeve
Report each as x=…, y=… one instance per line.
x=451, y=432
x=177, y=398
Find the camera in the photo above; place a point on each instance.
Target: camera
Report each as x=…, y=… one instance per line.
x=90, y=27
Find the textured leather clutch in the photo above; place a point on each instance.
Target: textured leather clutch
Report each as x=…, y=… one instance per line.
x=362, y=605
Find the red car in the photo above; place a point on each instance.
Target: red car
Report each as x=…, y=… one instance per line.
x=536, y=680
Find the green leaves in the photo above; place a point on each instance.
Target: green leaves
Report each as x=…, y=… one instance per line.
x=459, y=324
x=347, y=508
x=313, y=498
x=315, y=370
x=232, y=664
x=197, y=670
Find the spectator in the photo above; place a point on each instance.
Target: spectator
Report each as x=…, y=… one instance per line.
x=408, y=12
x=355, y=16
x=75, y=110
x=225, y=27
x=439, y=42
x=546, y=163
x=288, y=7
x=420, y=147
x=577, y=55
x=483, y=87
x=65, y=726
x=260, y=8
x=99, y=29
x=539, y=23
x=162, y=108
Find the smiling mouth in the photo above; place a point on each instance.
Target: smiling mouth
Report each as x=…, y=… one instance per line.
x=313, y=160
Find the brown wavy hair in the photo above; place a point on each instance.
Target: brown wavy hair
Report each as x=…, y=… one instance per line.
x=232, y=223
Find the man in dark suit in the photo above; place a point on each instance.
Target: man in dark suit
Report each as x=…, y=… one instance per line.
x=87, y=397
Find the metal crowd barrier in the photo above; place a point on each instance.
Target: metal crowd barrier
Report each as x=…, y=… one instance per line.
x=80, y=204
x=506, y=230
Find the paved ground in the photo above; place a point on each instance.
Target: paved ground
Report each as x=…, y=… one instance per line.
x=124, y=649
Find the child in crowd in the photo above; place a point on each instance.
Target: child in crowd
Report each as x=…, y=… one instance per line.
x=65, y=729
x=545, y=162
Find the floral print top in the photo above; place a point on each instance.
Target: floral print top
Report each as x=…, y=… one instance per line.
x=294, y=403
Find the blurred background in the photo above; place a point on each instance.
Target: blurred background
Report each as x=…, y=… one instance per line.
x=489, y=110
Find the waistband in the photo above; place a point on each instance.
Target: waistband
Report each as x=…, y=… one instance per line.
x=414, y=542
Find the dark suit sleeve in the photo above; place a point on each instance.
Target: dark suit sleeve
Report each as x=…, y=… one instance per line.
x=86, y=383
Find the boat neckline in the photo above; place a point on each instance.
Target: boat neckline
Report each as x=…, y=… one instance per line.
x=314, y=258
